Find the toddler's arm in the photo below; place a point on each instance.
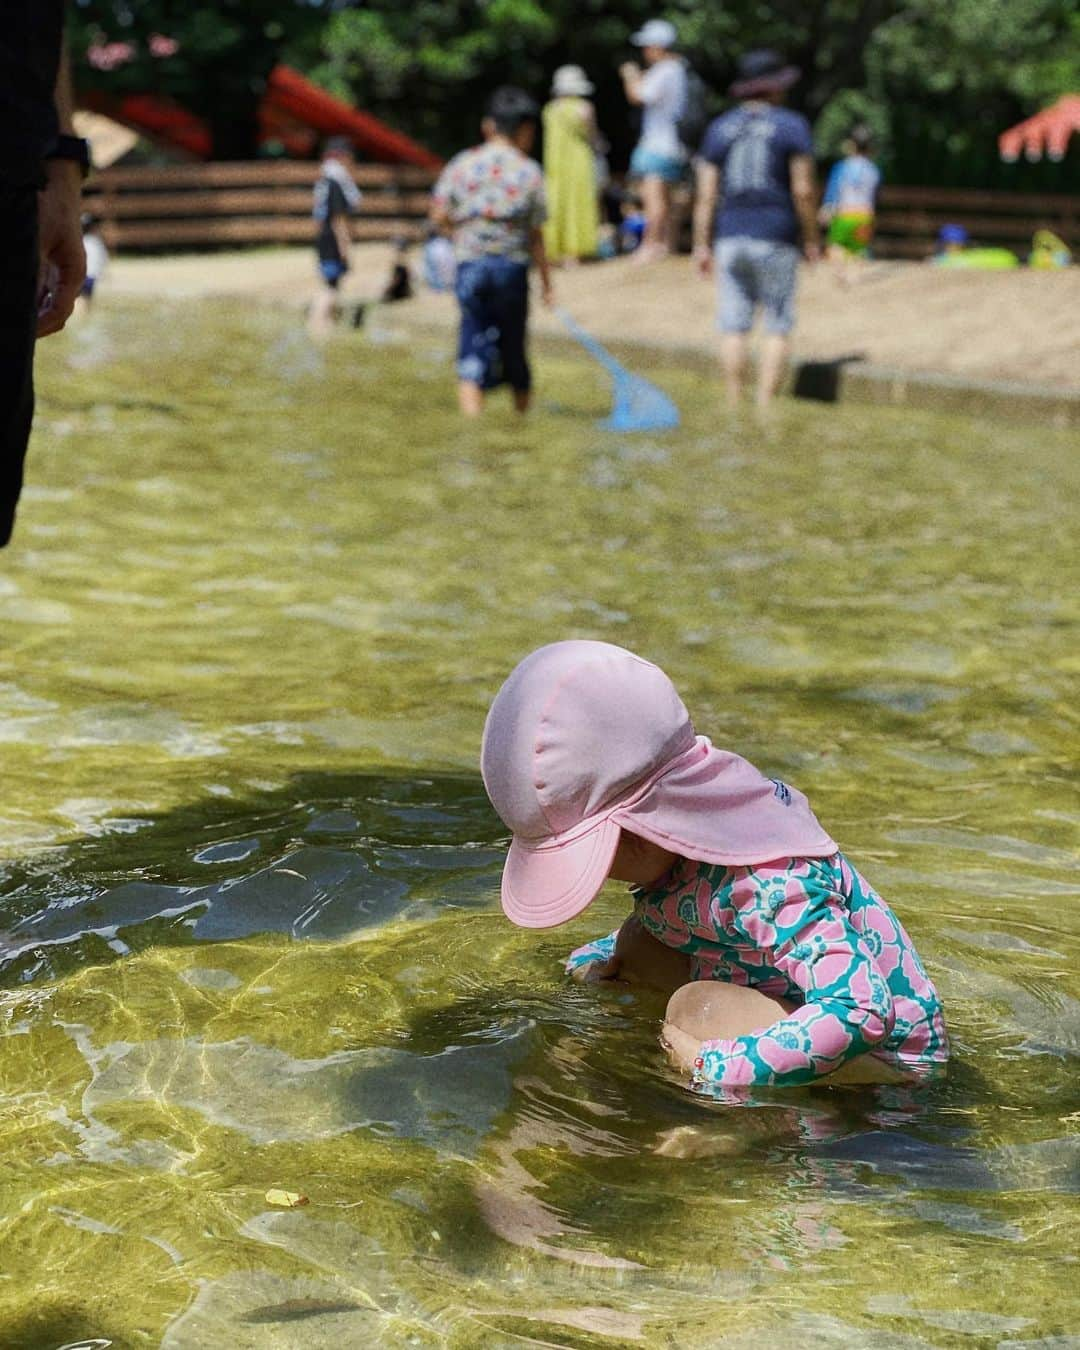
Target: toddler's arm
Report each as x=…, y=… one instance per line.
x=802, y=928
x=631, y=956
x=585, y=963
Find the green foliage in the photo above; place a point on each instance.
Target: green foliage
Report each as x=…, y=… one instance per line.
x=936, y=81
x=224, y=52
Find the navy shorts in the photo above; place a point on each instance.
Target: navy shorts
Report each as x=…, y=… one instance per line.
x=332, y=270
x=494, y=297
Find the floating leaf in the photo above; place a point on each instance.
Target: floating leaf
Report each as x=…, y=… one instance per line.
x=285, y=1199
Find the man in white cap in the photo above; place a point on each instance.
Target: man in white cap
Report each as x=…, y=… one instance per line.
x=659, y=159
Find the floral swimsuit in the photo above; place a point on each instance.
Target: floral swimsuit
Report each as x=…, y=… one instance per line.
x=811, y=931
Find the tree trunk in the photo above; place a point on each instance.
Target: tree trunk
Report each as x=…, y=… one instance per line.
x=230, y=103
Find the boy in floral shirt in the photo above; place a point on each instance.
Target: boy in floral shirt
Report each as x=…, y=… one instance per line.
x=491, y=200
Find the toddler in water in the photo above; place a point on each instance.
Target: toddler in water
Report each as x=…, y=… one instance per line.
x=783, y=964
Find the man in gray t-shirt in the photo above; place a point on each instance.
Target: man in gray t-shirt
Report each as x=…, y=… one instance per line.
x=659, y=159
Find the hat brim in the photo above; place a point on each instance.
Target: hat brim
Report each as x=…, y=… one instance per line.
x=577, y=91
x=642, y=39
x=775, y=83
x=552, y=883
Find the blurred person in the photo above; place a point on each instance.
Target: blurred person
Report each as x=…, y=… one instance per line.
x=760, y=155
x=571, y=146
x=631, y=223
x=955, y=249
x=491, y=200
x=399, y=285
x=97, y=259
x=951, y=240
x=659, y=159
x=847, y=208
x=42, y=165
x=336, y=198
x=1048, y=251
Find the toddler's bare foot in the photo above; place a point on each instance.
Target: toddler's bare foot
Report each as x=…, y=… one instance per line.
x=690, y=1141
x=682, y=1048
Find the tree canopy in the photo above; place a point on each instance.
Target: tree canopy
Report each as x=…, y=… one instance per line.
x=935, y=81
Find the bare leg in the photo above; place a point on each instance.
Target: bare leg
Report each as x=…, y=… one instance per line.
x=321, y=315
x=656, y=200
x=470, y=398
x=710, y=1010
x=774, y=357
x=734, y=353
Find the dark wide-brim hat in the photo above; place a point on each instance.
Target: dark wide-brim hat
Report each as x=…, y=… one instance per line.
x=762, y=72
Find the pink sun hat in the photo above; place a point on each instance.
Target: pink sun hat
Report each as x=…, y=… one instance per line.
x=586, y=738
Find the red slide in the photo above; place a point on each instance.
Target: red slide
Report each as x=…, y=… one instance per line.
x=290, y=99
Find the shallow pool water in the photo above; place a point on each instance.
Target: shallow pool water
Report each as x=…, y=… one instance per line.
x=259, y=599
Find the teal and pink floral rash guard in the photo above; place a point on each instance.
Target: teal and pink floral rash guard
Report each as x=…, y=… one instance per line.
x=811, y=931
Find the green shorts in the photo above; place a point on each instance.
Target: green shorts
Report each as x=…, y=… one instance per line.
x=852, y=231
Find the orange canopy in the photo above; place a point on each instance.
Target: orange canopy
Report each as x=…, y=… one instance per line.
x=1047, y=132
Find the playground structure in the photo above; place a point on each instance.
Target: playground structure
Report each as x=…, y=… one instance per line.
x=1048, y=132
x=294, y=113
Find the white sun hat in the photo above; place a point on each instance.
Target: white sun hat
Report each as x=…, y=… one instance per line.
x=571, y=82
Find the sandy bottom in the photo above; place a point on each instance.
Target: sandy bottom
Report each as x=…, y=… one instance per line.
x=1020, y=325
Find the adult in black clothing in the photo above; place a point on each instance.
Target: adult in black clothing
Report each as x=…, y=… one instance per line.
x=41, y=254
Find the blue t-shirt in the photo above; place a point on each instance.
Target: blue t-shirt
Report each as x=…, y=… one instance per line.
x=852, y=186
x=752, y=145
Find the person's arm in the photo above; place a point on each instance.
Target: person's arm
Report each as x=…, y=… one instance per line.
x=63, y=258
x=339, y=224
x=540, y=262
x=439, y=211
x=832, y=194
x=439, y=215
x=706, y=195
x=592, y=131
x=805, y=933
x=804, y=195
x=633, y=80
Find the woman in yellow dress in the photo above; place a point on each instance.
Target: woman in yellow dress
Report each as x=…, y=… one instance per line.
x=571, y=141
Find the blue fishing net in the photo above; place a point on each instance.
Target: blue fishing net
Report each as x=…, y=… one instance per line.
x=638, y=404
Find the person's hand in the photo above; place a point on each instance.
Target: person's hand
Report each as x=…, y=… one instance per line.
x=62, y=266
x=703, y=260
x=812, y=251
x=629, y=70
x=597, y=972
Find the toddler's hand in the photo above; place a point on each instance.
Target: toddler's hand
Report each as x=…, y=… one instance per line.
x=597, y=972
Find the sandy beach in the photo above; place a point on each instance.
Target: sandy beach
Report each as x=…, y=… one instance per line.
x=1019, y=326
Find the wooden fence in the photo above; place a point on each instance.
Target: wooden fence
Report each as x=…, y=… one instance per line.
x=909, y=218
x=269, y=202
x=263, y=202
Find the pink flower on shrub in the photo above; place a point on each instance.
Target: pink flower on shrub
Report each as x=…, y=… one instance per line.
x=109, y=55
x=160, y=45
